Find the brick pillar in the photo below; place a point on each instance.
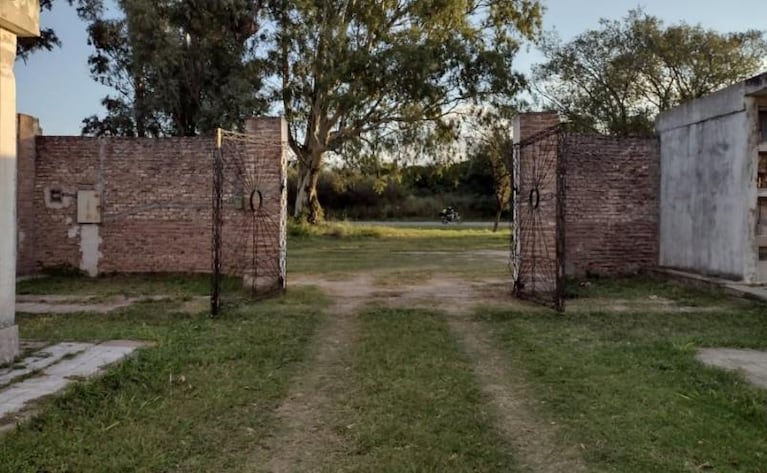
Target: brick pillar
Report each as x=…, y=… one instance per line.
x=526, y=125
x=535, y=206
x=28, y=129
x=270, y=135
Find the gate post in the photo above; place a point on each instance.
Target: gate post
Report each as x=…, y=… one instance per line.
x=17, y=18
x=538, y=246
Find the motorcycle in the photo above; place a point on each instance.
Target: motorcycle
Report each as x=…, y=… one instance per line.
x=449, y=216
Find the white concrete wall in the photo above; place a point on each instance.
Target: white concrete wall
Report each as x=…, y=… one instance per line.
x=708, y=186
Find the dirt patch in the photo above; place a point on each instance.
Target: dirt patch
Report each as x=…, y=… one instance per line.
x=305, y=440
x=535, y=441
x=195, y=305
x=650, y=304
x=452, y=295
x=74, y=304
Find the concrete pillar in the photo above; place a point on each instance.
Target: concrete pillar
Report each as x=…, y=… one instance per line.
x=19, y=17
x=9, y=336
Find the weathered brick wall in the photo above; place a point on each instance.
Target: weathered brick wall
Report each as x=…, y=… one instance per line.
x=612, y=207
x=258, y=188
x=611, y=203
x=28, y=128
x=155, y=196
x=155, y=203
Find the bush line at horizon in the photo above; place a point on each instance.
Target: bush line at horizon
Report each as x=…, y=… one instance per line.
x=403, y=193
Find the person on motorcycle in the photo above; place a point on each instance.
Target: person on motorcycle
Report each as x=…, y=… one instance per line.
x=448, y=214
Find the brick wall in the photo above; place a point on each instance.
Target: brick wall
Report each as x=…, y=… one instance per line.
x=155, y=201
x=612, y=204
x=27, y=129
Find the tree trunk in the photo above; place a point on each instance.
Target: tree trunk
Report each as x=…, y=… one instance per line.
x=497, y=218
x=307, y=202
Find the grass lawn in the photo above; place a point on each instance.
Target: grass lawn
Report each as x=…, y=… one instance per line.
x=416, y=404
x=342, y=249
x=198, y=400
x=615, y=377
x=625, y=385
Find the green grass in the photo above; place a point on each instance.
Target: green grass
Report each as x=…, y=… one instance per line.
x=417, y=406
x=433, y=249
x=627, y=388
x=200, y=399
x=117, y=284
x=621, y=387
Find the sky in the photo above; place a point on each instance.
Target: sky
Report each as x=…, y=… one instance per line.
x=57, y=88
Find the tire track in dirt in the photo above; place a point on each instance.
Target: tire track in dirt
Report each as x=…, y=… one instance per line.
x=535, y=442
x=304, y=439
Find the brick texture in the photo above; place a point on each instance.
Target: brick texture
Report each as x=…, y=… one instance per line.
x=156, y=201
x=537, y=188
x=611, y=206
x=28, y=128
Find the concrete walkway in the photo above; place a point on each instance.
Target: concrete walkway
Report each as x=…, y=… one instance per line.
x=752, y=363
x=51, y=369
x=751, y=291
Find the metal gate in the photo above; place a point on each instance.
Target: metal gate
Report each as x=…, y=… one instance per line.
x=249, y=220
x=538, y=210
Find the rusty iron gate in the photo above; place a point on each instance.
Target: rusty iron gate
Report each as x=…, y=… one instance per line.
x=538, y=210
x=249, y=220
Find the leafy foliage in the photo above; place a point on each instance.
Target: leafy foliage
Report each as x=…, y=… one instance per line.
x=618, y=77
x=417, y=192
x=492, y=152
x=177, y=67
x=357, y=74
x=48, y=38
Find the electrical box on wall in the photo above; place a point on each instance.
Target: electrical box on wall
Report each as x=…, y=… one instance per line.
x=88, y=206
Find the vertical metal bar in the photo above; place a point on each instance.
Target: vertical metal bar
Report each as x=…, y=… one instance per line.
x=515, y=220
x=217, y=222
x=561, y=169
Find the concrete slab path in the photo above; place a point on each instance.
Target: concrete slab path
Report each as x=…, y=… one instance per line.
x=68, y=362
x=752, y=363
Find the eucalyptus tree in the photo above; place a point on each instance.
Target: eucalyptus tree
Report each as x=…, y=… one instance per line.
x=176, y=67
x=351, y=70
x=617, y=77
x=48, y=38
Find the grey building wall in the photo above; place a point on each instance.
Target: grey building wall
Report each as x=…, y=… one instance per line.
x=708, y=186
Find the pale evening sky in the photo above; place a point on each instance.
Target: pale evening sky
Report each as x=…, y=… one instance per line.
x=57, y=88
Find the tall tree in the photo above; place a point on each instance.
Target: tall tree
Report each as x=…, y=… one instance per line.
x=618, y=77
x=48, y=39
x=178, y=67
x=494, y=150
x=351, y=69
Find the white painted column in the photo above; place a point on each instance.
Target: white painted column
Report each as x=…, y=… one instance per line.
x=17, y=18
x=9, y=338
